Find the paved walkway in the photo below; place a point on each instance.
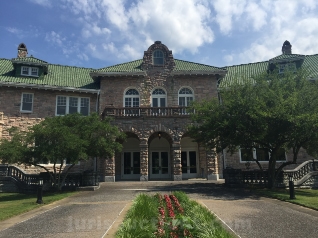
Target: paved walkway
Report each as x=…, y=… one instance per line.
x=98, y=213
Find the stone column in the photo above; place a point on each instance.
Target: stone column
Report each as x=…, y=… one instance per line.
x=110, y=169
x=176, y=163
x=212, y=165
x=143, y=160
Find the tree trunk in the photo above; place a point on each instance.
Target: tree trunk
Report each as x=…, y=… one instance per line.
x=272, y=170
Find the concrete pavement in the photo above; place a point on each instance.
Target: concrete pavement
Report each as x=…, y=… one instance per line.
x=99, y=213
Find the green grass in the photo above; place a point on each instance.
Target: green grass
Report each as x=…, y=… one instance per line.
x=142, y=219
x=12, y=204
x=304, y=197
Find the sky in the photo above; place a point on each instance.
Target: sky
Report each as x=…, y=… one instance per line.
x=101, y=33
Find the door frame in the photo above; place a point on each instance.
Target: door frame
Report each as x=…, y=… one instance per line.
x=159, y=176
x=129, y=176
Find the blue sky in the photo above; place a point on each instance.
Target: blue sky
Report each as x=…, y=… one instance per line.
x=99, y=33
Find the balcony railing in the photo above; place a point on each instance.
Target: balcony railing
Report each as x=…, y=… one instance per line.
x=146, y=111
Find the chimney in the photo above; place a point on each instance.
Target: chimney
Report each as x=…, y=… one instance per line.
x=22, y=51
x=286, y=49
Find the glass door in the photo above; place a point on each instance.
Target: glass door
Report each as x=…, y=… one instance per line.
x=159, y=167
x=131, y=165
x=189, y=164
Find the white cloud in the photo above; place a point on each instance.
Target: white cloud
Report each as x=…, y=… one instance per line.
x=54, y=38
x=45, y=3
x=13, y=30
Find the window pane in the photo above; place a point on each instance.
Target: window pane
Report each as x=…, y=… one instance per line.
x=127, y=102
x=189, y=100
x=281, y=156
x=162, y=102
x=262, y=154
x=159, y=91
x=184, y=162
x=27, y=102
x=132, y=92
x=84, y=106
x=127, y=162
x=73, y=104
x=34, y=71
x=61, y=105
x=155, y=102
x=25, y=70
x=181, y=101
x=246, y=154
x=136, y=162
x=193, y=161
x=135, y=102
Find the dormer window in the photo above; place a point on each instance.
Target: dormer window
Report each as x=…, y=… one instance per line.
x=158, y=57
x=29, y=71
x=287, y=67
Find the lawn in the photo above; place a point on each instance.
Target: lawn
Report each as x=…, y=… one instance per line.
x=304, y=197
x=169, y=215
x=12, y=204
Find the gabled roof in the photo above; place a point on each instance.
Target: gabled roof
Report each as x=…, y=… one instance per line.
x=58, y=77
x=286, y=57
x=237, y=73
x=30, y=59
x=134, y=68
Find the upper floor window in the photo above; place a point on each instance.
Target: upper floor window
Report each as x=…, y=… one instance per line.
x=158, y=100
x=158, y=57
x=131, y=99
x=185, y=97
x=66, y=105
x=29, y=71
x=287, y=67
x=26, y=102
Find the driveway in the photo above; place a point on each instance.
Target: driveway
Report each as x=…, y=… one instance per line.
x=96, y=214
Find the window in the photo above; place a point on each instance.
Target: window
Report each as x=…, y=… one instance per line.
x=185, y=98
x=158, y=100
x=29, y=71
x=158, y=57
x=131, y=99
x=287, y=67
x=66, y=105
x=26, y=102
x=261, y=154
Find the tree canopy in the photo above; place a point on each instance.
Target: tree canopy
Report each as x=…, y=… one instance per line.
x=273, y=111
x=59, y=140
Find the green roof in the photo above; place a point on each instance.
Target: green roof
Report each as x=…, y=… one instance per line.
x=180, y=65
x=237, y=73
x=30, y=59
x=57, y=76
x=287, y=57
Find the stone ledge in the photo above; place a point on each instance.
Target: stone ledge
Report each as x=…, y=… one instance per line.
x=88, y=188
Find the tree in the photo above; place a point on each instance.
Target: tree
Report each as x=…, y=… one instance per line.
x=57, y=140
x=271, y=110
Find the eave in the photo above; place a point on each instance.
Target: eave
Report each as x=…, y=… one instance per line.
x=48, y=87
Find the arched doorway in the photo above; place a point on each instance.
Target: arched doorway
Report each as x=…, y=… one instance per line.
x=189, y=158
x=130, y=159
x=159, y=158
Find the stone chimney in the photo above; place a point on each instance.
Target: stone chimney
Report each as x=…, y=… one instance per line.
x=22, y=51
x=286, y=49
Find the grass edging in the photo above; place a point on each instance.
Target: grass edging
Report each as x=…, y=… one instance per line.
x=304, y=197
x=14, y=204
x=146, y=218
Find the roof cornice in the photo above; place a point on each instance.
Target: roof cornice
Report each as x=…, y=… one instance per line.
x=46, y=87
x=114, y=74
x=199, y=72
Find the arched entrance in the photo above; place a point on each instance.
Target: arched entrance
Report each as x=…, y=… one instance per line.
x=159, y=158
x=189, y=158
x=130, y=159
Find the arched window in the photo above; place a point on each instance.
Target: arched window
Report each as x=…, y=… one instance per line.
x=185, y=98
x=158, y=100
x=131, y=99
x=158, y=57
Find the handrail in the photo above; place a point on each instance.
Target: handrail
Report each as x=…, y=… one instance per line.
x=301, y=171
x=146, y=111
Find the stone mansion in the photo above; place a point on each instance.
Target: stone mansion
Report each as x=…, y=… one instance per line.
x=147, y=99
